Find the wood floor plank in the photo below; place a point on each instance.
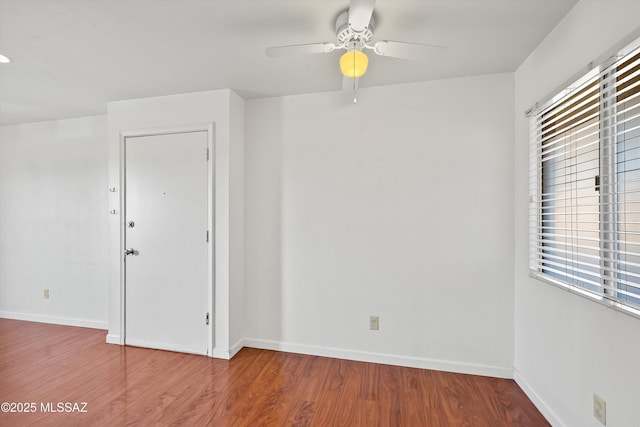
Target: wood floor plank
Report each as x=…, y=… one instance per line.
x=50, y=364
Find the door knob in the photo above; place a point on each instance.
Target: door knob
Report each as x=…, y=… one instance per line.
x=129, y=251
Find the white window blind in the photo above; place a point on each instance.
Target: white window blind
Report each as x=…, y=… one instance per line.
x=585, y=185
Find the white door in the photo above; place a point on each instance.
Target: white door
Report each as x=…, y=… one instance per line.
x=166, y=241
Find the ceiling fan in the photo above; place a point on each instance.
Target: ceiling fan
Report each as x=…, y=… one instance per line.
x=354, y=33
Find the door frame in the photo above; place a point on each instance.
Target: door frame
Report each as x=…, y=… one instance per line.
x=156, y=131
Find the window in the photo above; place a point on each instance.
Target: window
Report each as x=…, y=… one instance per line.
x=585, y=185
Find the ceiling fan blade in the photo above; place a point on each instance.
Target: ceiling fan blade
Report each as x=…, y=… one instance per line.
x=300, y=49
x=412, y=51
x=360, y=12
x=349, y=84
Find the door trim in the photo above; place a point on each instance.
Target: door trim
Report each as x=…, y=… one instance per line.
x=200, y=127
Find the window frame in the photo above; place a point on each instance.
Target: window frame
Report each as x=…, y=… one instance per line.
x=606, y=141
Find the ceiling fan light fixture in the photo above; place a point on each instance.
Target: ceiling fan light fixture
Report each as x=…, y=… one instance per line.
x=353, y=64
x=4, y=59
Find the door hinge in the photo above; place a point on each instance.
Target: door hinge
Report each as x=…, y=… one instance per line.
x=207, y=154
x=206, y=319
x=597, y=183
x=207, y=236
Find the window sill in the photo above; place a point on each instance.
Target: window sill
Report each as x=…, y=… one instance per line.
x=614, y=305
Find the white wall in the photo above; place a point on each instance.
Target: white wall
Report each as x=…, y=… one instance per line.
x=53, y=221
x=568, y=347
x=185, y=110
x=399, y=206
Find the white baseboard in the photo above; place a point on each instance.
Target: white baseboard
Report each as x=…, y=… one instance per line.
x=537, y=400
x=386, y=359
x=114, y=339
x=221, y=354
x=236, y=348
x=82, y=323
x=362, y=356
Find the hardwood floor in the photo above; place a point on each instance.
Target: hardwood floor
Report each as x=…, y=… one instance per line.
x=50, y=364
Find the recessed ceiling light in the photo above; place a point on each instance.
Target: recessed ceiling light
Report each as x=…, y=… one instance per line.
x=4, y=59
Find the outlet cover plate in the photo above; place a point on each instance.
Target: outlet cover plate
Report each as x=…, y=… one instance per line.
x=374, y=323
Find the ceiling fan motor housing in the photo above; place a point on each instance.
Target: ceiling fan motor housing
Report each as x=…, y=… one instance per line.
x=350, y=39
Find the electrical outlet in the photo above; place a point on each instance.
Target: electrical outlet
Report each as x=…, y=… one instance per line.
x=600, y=409
x=374, y=323
x=46, y=293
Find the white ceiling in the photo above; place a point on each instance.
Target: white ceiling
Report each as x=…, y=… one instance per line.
x=70, y=57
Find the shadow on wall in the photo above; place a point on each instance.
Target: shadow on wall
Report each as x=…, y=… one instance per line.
x=263, y=222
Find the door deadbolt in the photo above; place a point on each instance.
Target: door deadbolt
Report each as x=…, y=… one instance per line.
x=131, y=224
